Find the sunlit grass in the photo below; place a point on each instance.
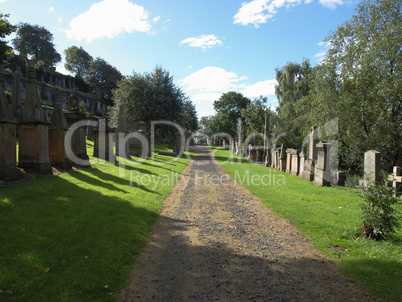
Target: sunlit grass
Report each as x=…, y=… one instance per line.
x=74, y=237
x=331, y=218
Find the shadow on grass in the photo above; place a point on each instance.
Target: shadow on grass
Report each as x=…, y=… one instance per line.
x=61, y=242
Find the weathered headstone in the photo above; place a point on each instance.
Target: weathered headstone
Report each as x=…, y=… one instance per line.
x=120, y=134
x=322, y=175
x=282, y=158
x=339, y=178
x=267, y=144
x=78, y=139
x=396, y=179
x=294, y=165
x=309, y=164
x=57, y=130
x=8, y=130
x=301, y=162
x=288, y=160
x=135, y=145
x=33, y=131
x=103, y=141
x=16, y=99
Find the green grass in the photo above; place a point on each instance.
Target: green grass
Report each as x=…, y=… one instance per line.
x=331, y=218
x=74, y=237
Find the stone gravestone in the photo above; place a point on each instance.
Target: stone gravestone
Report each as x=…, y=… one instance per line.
x=301, y=162
x=8, y=131
x=33, y=131
x=294, y=165
x=339, y=178
x=288, y=160
x=103, y=141
x=282, y=159
x=322, y=175
x=78, y=139
x=120, y=134
x=16, y=99
x=135, y=145
x=396, y=179
x=57, y=131
x=267, y=145
x=308, y=171
x=372, y=168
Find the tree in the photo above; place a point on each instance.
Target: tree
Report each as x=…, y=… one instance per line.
x=149, y=97
x=6, y=28
x=294, y=81
x=228, y=111
x=78, y=61
x=103, y=78
x=189, y=120
x=37, y=42
x=359, y=82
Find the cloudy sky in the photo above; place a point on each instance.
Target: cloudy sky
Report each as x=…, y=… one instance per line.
x=209, y=46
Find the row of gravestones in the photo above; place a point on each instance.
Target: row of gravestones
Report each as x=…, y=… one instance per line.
x=42, y=142
x=315, y=165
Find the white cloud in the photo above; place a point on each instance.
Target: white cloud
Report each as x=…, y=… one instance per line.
x=109, y=18
x=331, y=3
x=60, y=20
x=263, y=88
x=51, y=9
x=204, y=42
x=210, y=79
x=2, y=1
x=257, y=12
x=208, y=84
x=156, y=19
x=167, y=21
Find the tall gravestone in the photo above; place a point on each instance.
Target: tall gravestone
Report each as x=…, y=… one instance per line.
x=123, y=150
x=288, y=160
x=103, y=141
x=33, y=131
x=282, y=159
x=57, y=131
x=267, y=144
x=372, y=168
x=78, y=140
x=301, y=162
x=135, y=144
x=16, y=100
x=8, y=130
x=322, y=175
x=239, y=138
x=309, y=164
x=294, y=162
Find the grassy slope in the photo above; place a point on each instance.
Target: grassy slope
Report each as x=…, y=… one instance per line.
x=74, y=237
x=330, y=217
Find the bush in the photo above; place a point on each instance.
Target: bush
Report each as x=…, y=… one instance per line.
x=380, y=218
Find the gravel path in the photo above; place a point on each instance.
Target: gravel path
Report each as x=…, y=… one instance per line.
x=219, y=243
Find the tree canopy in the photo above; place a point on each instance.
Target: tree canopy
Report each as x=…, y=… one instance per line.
x=6, y=28
x=149, y=97
x=34, y=41
x=78, y=61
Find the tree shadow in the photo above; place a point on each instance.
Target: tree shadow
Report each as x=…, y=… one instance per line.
x=61, y=240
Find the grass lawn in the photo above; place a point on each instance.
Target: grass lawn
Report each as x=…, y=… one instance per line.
x=331, y=218
x=74, y=237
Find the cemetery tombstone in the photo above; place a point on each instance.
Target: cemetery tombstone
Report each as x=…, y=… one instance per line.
x=322, y=175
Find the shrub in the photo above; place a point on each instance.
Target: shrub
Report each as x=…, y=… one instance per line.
x=380, y=218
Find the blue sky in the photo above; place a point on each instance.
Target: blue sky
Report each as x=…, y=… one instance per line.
x=209, y=46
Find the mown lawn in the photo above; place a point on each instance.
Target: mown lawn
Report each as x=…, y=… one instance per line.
x=74, y=237
x=331, y=218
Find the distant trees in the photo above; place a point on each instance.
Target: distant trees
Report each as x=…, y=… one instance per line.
x=6, y=28
x=151, y=97
x=34, y=41
x=78, y=61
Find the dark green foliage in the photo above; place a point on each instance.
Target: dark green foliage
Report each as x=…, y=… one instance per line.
x=380, y=218
x=6, y=28
x=37, y=42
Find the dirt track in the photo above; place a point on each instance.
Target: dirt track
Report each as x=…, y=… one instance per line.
x=219, y=243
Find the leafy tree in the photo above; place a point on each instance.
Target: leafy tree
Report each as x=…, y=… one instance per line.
x=359, y=82
x=78, y=61
x=189, y=119
x=37, y=42
x=103, y=78
x=294, y=81
x=149, y=97
x=228, y=111
x=6, y=28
